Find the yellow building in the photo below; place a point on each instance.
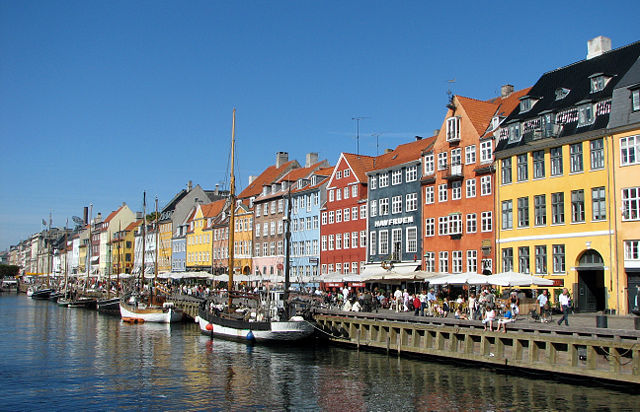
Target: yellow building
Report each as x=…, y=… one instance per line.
x=123, y=243
x=555, y=204
x=199, y=239
x=164, y=249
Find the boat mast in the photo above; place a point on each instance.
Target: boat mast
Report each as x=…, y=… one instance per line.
x=232, y=203
x=155, y=266
x=86, y=282
x=66, y=259
x=110, y=266
x=118, y=264
x=144, y=235
x=287, y=255
x=50, y=252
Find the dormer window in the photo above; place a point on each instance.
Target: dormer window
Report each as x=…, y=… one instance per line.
x=274, y=188
x=285, y=185
x=514, y=133
x=561, y=93
x=585, y=114
x=314, y=180
x=598, y=82
x=265, y=190
x=495, y=122
x=300, y=183
x=635, y=100
x=526, y=103
x=453, y=129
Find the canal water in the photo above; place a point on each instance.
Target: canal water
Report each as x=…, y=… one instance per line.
x=57, y=358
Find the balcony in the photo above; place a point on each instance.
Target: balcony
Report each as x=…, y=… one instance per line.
x=454, y=172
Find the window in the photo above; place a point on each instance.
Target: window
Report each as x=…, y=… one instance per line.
x=280, y=205
x=428, y=164
x=354, y=190
x=561, y=93
x=455, y=224
x=442, y=192
x=383, y=179
x=487, y=264
x=338, y=241
x=396, y=205
x=354, y=267
x=523, y=171
x=338, y=216
x=456, y=190
x=456, y=157
x=472, y=224
x=597, y=154
x=396, y=243
x=485, y=185
x=354, y=240
x=429, y=196
x=430, y=261
x=396, y=177
x=338, y=194
x=453, y=129
x=374, y=208
x=443, y=263
x=354, y=212
x=315, y=222
x=538, y=164
x=272, y=207
x=526, y=104
x=442, y=160
x=443, y=225
x=556, y=161
x=471, y=187
x=363, y=238
x=514, y=133
x=635, y=100
x=383, y=205
x=258, y=209
x=411, y=174
x=363, y=211
x=412, y=240
x=411, y=202
x=558, y=259
x=632, y=250
x=598, y=203
x=346, y=173
x=372, y=243
x=523, y=212
x=373, y=182
x=507, y=214
x=598, y=83
x=472, y=261
x=631, y=203
x=324, y=218
x=585, y=115
x=541, y=259
x=339, y=174
x=523, y=259
x=507, y=259
x=470, y=154
x=506, y=171
x=456, y=261
x=430, y=227
x=486, y=151
x=345, y=192
x=557, y=208
x=577, y=206
x=630, y=150
x=384, y=242
x=331, y=217
x=540, y=210
x=331, y=242
x=323, y=241
x=257, y=229
x=487, y=221
x=575, y=151
x=330, y=195
x=338, y=267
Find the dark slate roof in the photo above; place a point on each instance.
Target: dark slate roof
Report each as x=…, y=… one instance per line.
x=576, y=78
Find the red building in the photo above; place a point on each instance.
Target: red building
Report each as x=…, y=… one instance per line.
x=343, y=219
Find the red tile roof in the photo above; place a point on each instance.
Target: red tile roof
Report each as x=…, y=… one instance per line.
x=113, y=214
x=403, y=153
x=360, y=164
x=213, y=209
x=268, y=176
x=133, y=225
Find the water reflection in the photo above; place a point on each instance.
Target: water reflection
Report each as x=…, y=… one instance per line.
x=62, y=358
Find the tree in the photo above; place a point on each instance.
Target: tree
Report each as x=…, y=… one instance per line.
x=9, y=270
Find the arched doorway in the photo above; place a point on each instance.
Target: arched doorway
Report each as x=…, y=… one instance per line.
x=591, y=288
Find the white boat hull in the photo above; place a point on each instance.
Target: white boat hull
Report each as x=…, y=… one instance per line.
x=284, y=331
x=157, y=315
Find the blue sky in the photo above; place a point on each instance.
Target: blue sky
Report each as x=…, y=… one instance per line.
x=102, y=100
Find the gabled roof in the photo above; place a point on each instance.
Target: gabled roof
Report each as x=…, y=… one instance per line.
x=133, y=225
x=403, y=153
x=478, y=112
x=301, y=172
x=359, y=164
x=213, y=209
x=268, y=176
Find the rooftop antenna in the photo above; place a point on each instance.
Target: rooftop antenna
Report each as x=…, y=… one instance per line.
x=357, y=119
x=376, y=135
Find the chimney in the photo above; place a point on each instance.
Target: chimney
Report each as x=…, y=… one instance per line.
x=281, y=158
x=418, y=138
x=217, y=190
x=506, y=90
x=85, y=215
x=311, y=159
x=388, y=151
x=252, y=179
x=98, y=218
x=597, y=46
x=436, y=132
x=189, y=186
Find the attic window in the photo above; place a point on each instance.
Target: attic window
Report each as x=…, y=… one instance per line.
x=300, y=183
x=526, y=103
x=347, y=172
x=339, y=174
x=314, y=180
x=514, y=133
x=453, y=129
x=495, y=122
x=561, y=93
x=635, y=100
x=598, y=82
x=585, y=114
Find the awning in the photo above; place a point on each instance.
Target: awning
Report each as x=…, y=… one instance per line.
x=399, y=271
x=468, y=278
x=517, y=279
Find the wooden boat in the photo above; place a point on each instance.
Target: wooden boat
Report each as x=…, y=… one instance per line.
x=84, y=302
x=269, y=325
x=109, y=306
x=42, y=294
x=55, y=295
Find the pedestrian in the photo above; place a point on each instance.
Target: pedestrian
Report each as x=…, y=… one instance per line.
x=431, y=300
x=416, y=304
x=565, y=304
x=489, y=317
x=542, y=299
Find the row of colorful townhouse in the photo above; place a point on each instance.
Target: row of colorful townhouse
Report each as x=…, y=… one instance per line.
x=539, y=181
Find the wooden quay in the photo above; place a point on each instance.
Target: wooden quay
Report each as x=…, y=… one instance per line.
x=594, y=353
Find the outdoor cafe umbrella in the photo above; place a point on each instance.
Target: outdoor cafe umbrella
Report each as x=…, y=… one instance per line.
x=467, y=278
x=511, y=279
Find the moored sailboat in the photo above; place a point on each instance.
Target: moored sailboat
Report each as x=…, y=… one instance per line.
x=268, y=324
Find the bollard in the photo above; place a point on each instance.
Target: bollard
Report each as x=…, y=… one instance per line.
x=601, y=321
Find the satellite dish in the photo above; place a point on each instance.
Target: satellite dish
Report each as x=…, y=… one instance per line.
x=77, y=220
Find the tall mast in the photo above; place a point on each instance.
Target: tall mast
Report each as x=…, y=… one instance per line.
x=232, y=203
x=144, y=234
x=86, y=282
x=49, y=252
x=155, y=266
x=66, y=258
x=118, y=264
x=287, y=253
x=109, y=267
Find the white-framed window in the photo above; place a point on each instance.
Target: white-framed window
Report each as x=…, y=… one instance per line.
x=631, y=203
x=472, y=223
x=507, y=214
x=354, y=190
x=272, y=228
x=411, y=174
x=257, y=229
x=383, y=179
x=470, y=154
x=384, y=242
x=373, y=208
x=597, y=153
x=272, y=207
x=630, y=150
x=345, y=191
x=456, y=190
x=346, y=239
x=324, y=218
x=354, y=240
x=430, y=261
x=558, y=259
x=430, y=227
x=456, y=157
x=373, y=182
x=411, y=202
x=455, y=224
x=330, y=195
x=338, y=241
x=331, y=242
x=453, y=128
x=555, y=154
x=456, y=261
x=383, y=206
x=598, y=83
x=396, y=204
x=470, y=186
x=429, y=196
x=280, y=226
x=258, y=210
x=442, y=192
x=331, y=217
x=486, y=221
x=354, y=267
x=472, y=261
x=412, y=239
x=486, y=151
x=632, y=250
x=372, y=243
x=323, y=241
x=443, y=225
x=485, y=185
x=428, y=163
x=330, y=267
x=576, y=163
x=354, y=213
x=346, y=214
x=586, y=115
x=324, y=268
x=338, y=216
x=363, y=211
x=338, y=267
x=346, y=173
x=363, y=238
x=442, y=160
x=443, y=262
x=396, y=177
x=338, y=194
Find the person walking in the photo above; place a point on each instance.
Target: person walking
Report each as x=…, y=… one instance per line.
x=542, y=299
x=565, y=304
